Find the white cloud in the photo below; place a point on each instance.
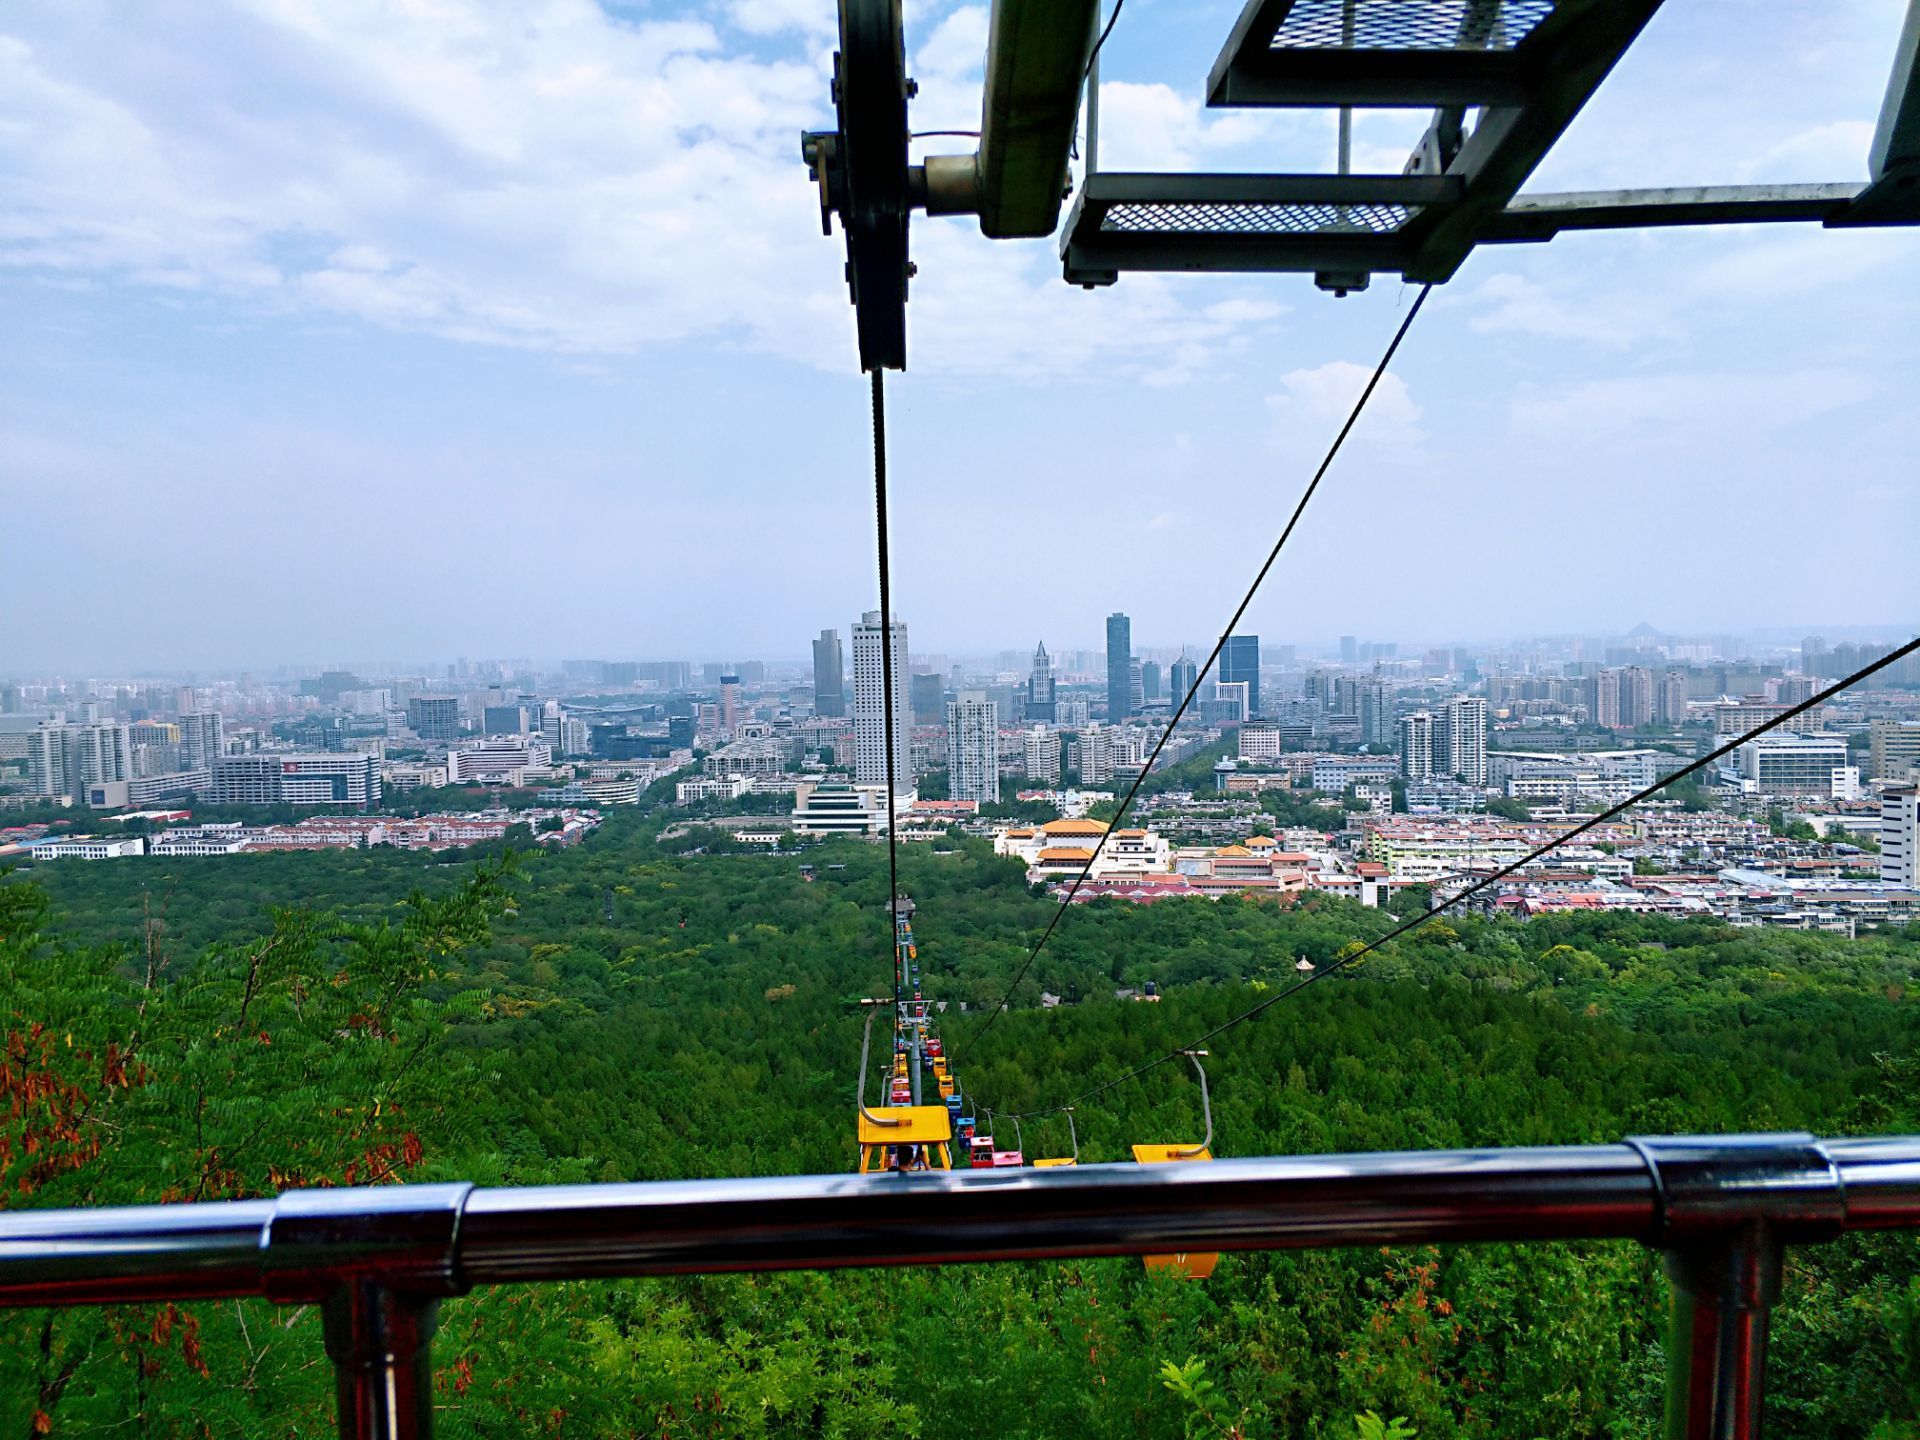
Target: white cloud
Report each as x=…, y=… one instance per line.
x=1328, y=392
x=1513, y=304
x=551, y=178
x=1691, y=409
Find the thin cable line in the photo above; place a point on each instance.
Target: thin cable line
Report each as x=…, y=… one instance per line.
x=1094, y=54
x=1605, y=815
x=886, y=669
x=1201, y=674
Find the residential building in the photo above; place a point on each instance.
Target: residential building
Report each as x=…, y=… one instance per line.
x=1095, y=763
x=63, y=759
x=1040, y=702
x=434, y=717
x=1119, y=653
x=1893, y=749
x=1375, y=708
x=1635, y=688
x=1900, y=838
x=973, y=748
x=829, y=679
x=1416, y=746
x=1464, y=720
x=872, y=705
x=1043, y=755
x=1240, y=665
x=1136, y=686
x=1670, y=698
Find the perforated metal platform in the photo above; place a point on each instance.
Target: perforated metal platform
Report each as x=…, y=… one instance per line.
x=1408, y=24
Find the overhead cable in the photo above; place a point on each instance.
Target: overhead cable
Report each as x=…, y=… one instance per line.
x=886, y=669
x=1201, y=673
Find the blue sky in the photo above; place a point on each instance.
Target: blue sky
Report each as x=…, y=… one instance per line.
x=437, y=327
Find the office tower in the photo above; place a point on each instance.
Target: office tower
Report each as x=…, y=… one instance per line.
x=1416, y=746
x=1900, y=838
x=1040, y=703
x=973, y=748
x=729, y=703
x=1240, y=663
x=829, y=684
x=1184, y=673
x=1349, y=650
x=65, y=759
x=1043, y=755
x=1893, y=749
x=1150, y=682
x=505, y=719
x=434, y=717
x=1373, y=698
x=1465, y=718
x=1636, y=697
x=1119, y=652
x=1136, y=687
x=872, y=705
x=203, y=739
x=1230, y=702
x=927, y=695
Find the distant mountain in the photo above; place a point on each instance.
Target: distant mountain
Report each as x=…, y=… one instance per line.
x=1644, y=631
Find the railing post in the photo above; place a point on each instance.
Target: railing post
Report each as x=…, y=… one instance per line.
x=380, y=1341
x=1724, y=1291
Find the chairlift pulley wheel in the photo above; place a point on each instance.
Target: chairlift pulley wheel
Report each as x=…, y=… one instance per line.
x=862, y=171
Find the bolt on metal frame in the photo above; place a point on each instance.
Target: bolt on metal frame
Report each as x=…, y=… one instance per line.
x=1721, y=1209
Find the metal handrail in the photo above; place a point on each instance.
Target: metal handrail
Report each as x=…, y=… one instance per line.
x=1721, y=1208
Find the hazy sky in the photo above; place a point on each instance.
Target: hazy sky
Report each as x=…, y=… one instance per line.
x=434, y=326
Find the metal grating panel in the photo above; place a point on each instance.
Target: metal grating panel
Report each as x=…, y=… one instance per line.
x=1249, y=218
x=1409, y=24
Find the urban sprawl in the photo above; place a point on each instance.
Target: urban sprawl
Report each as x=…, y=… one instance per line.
x=1358, y=769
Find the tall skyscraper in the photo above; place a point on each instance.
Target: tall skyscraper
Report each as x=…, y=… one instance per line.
x=1465, y=723
x=1670, y=698
x=1349, y=650
x=729, y=703
x=65, y=759
x=1119, y=653
x=829, y=682
x=1636, y=697
x=1136, y=687
x=927, y=698
x=1184, y=673
x=1900, y=838
x=1416, y=745
x=871, y=703
x=1240, y=661
x=434, y=717
x=973, y=748
x=1040, y=705
x=1150, y=682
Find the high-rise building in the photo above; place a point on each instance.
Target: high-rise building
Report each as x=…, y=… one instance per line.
x=65, y=759
x=829, y=682
x=1900, y=837
x=505, y=719
x=1043, y=755
x=1636, y=697
x=1150, y=682
x=872, y=704
x=1375, y=708
x=203, y=739
x=434, y=717
x=1416, y=745
x=729, y=703
x=1096, y=756
x=1603, y=699
x=1670, y=698
x=1136, y=686
x=1040, y=703
x=1349, y=650
x=1893, y=749
x=1464, y=722
x=1240, y=663
x=1119, y=653
x=973, y=748
x=1184, y=674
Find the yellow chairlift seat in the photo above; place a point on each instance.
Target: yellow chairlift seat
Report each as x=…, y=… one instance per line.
x=1062, y=1160
x=926, y=1128
x=1194, y=1266
x=946, y=1089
